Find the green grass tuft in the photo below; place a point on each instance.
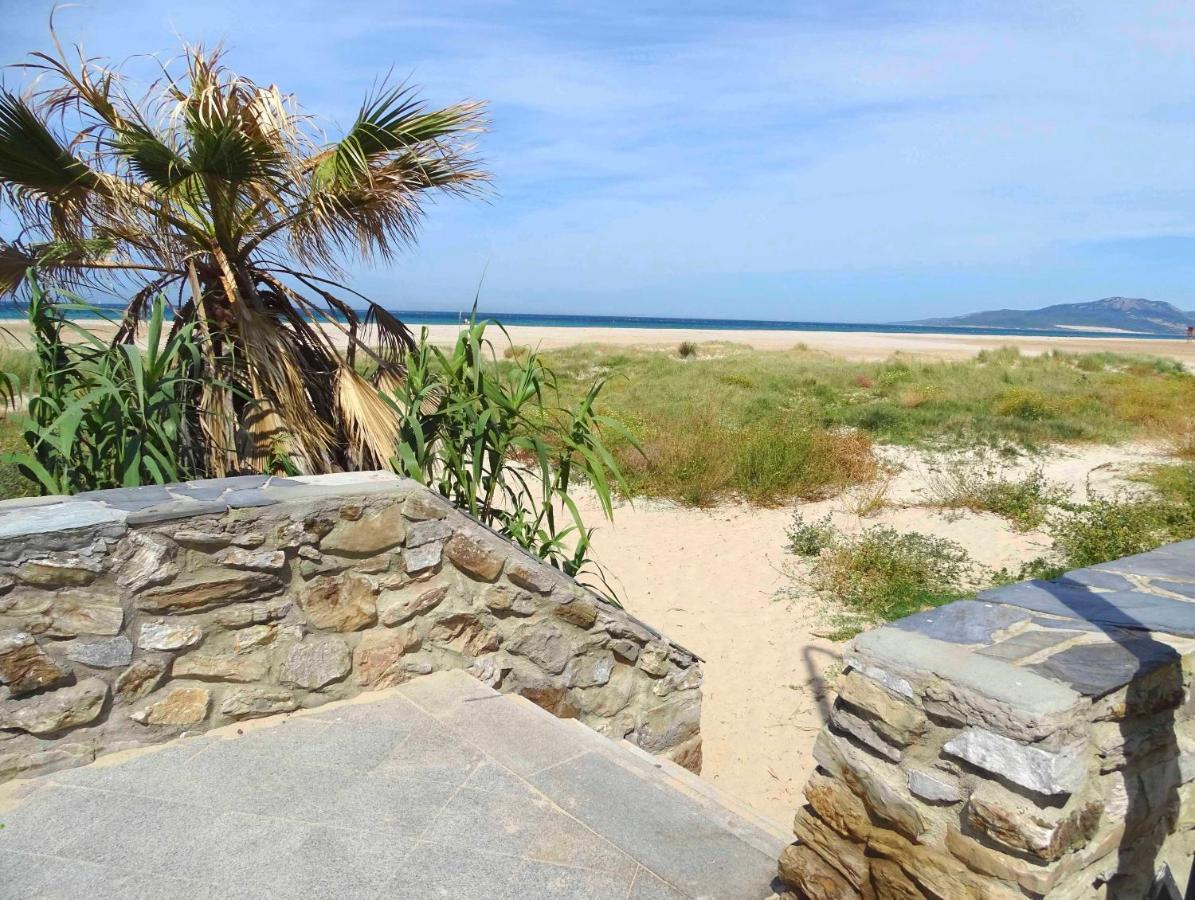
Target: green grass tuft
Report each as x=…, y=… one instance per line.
x=706, y=422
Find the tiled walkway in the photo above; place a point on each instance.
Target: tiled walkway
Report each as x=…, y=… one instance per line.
x=438, y=788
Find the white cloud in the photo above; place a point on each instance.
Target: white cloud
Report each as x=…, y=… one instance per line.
x=633, y=149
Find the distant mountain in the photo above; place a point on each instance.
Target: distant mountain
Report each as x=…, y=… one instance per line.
x=1120, y=313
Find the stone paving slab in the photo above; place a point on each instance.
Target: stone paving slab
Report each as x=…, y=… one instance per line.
x=441, y=787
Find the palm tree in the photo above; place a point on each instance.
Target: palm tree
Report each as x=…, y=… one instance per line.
x=224, y=195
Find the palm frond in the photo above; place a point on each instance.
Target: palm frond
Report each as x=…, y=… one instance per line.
x=372, y=424
x=392, y=120
x=34, y=164
x=152, y=158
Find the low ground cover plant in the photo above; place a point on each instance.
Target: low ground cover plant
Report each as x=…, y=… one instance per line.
x=880, y=573
x=982, y=485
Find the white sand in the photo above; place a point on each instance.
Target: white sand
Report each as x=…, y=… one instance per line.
x=861, y=345
x=718, y=581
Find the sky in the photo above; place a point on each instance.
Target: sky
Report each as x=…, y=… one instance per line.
x=845, y=160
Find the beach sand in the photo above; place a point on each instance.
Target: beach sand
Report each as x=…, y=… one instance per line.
x=856, y=345
x=859, y=345
x=721, y=582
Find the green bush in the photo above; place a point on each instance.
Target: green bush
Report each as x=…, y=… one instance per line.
x=808, y=539
x=99, y=415
x=881, y=573
x=980, y=486
x=1107, y=528
x=886, y=574
x=686, y=349
x=1023, y=403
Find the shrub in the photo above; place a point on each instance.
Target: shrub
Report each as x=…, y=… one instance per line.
x=1023, y=403
x=781, y=460
x=883, y=574
x=1025, y=501
x=686, y=349
x=1108, y=528
x=810, y=538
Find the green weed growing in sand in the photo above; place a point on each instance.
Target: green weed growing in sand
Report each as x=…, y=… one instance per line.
x=880, y=573
x=982, y=486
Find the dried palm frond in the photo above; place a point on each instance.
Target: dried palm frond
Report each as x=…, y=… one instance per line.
x=222, y=188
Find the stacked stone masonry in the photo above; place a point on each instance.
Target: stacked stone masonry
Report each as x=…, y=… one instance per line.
x=128, y=617
x=1036, y=742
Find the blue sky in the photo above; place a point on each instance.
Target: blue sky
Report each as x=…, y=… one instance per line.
x=850, y=161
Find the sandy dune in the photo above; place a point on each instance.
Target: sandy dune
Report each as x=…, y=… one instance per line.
x=860, y=345
x=718, y=581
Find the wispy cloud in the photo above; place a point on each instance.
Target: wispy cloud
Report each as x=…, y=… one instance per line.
x=845, y=160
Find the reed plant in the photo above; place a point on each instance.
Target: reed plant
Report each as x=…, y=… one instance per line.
x=494, y=439
x=104, y=415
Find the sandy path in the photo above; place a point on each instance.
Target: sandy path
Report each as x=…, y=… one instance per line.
x=718, y=582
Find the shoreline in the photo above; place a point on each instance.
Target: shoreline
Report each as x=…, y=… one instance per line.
x=850, y=345
x=853, y=345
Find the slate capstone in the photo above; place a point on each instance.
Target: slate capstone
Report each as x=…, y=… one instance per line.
x=176, y=509
x=1027, y=643
x=963, y=622
x=129, y=498
x=1122, y=609
x=1098, y=669
x=1171, y=561
x=68, y=516
x=1184, y=588
x=1094, y=578
x=249, y=497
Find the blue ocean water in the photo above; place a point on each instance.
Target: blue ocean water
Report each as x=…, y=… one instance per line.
x=423, y=317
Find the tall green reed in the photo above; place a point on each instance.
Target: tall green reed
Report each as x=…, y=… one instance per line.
x=493, y=438
x=101, y=415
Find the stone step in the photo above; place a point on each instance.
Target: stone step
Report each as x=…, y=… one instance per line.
x=678, y=785
x=439, y=787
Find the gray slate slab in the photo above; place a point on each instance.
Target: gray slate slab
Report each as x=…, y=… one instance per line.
x=1027, y=643
x=1095, y=578
x=1184, y=588
x=1098, y=669
x=1121, y=609
x=963, y=622
x=1172, y=561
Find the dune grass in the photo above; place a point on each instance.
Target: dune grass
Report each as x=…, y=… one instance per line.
x=770, y=426
x=727, y=421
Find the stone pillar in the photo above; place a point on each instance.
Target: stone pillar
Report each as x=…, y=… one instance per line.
x=1034, y=742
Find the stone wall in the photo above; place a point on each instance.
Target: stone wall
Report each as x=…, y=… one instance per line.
x=130, y=616
x=1036, y=742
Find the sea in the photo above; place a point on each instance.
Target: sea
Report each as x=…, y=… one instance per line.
x=424, y=317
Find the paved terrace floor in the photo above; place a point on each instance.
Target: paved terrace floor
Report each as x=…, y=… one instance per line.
x=438, y=788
